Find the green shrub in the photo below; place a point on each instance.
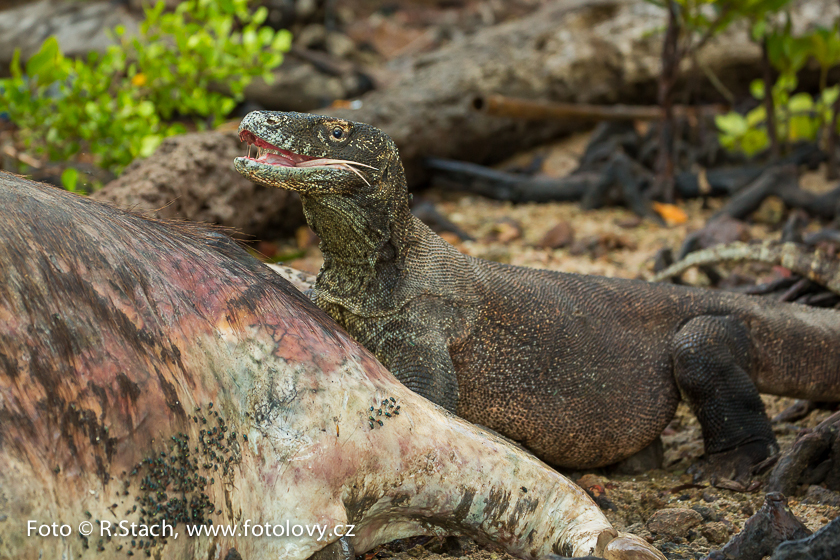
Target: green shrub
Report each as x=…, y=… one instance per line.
x=798, y=116
x=194, y=62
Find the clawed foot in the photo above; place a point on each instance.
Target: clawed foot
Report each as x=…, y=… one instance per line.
x=735, y=466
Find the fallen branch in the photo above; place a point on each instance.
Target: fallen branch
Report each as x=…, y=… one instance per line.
x=528, y=109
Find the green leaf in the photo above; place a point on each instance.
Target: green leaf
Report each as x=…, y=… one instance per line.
x=732, y=123
x=826, y=46
x=149, y=144
x=754, y=141
x=802, y=128
x=759, y=29
x=15, y=66
x=757, y=89
x=46, y=59
x=801, y=102
x=756, y=116
x=226, y=105
x=265, y=36
x=282, y=41
x=249, y=38
x=829, y=96
x=146, y=109
x=259, y=15
x=69, y=178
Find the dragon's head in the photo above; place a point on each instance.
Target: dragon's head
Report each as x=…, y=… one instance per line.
x=316, y=155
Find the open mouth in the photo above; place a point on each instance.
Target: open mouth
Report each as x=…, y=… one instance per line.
x=268, y=154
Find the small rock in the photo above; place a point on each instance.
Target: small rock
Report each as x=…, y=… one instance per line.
x=595, y=486
x=708, y=513
x=640, y=531
x=559, y=236
x=819, y=495
x=629, y=222
x=652, y=501
x=699, y=542
x=590, y=480
x=773, y=524
x=771, y=211
x=722, y=230
x=673, y=522
x=600, y=245
x=339, y=44
x=715, y=532
x=506, y=230
x=312, y=36
x=305, y=8
x=709, y=496
x=732, y=485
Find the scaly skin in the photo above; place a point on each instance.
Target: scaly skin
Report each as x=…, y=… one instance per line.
x=583, y=370
x=122, y=339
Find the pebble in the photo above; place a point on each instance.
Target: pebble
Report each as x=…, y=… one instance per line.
x=559, y=236
x=708, y=513
x=673, y=523
x=819, y=495
x=715, y=532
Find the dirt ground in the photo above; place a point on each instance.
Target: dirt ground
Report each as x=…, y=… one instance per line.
x=610, y=242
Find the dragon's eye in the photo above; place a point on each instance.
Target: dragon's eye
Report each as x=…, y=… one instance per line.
x=337, y=132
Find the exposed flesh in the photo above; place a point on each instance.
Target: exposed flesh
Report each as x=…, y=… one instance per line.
x=122, y=338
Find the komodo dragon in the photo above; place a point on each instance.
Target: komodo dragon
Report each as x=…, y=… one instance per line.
x=582, y=370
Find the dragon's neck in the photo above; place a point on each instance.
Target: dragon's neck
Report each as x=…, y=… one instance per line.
x=364, y=240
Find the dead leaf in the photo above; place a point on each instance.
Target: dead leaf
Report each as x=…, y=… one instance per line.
x=673, y=215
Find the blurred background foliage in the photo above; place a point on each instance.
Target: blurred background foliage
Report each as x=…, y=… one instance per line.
x=186, y=67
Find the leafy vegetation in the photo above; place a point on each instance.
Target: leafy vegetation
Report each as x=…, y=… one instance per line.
x=691, y=24
x=192, y=63
x=785, y=115
x=795, y=115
